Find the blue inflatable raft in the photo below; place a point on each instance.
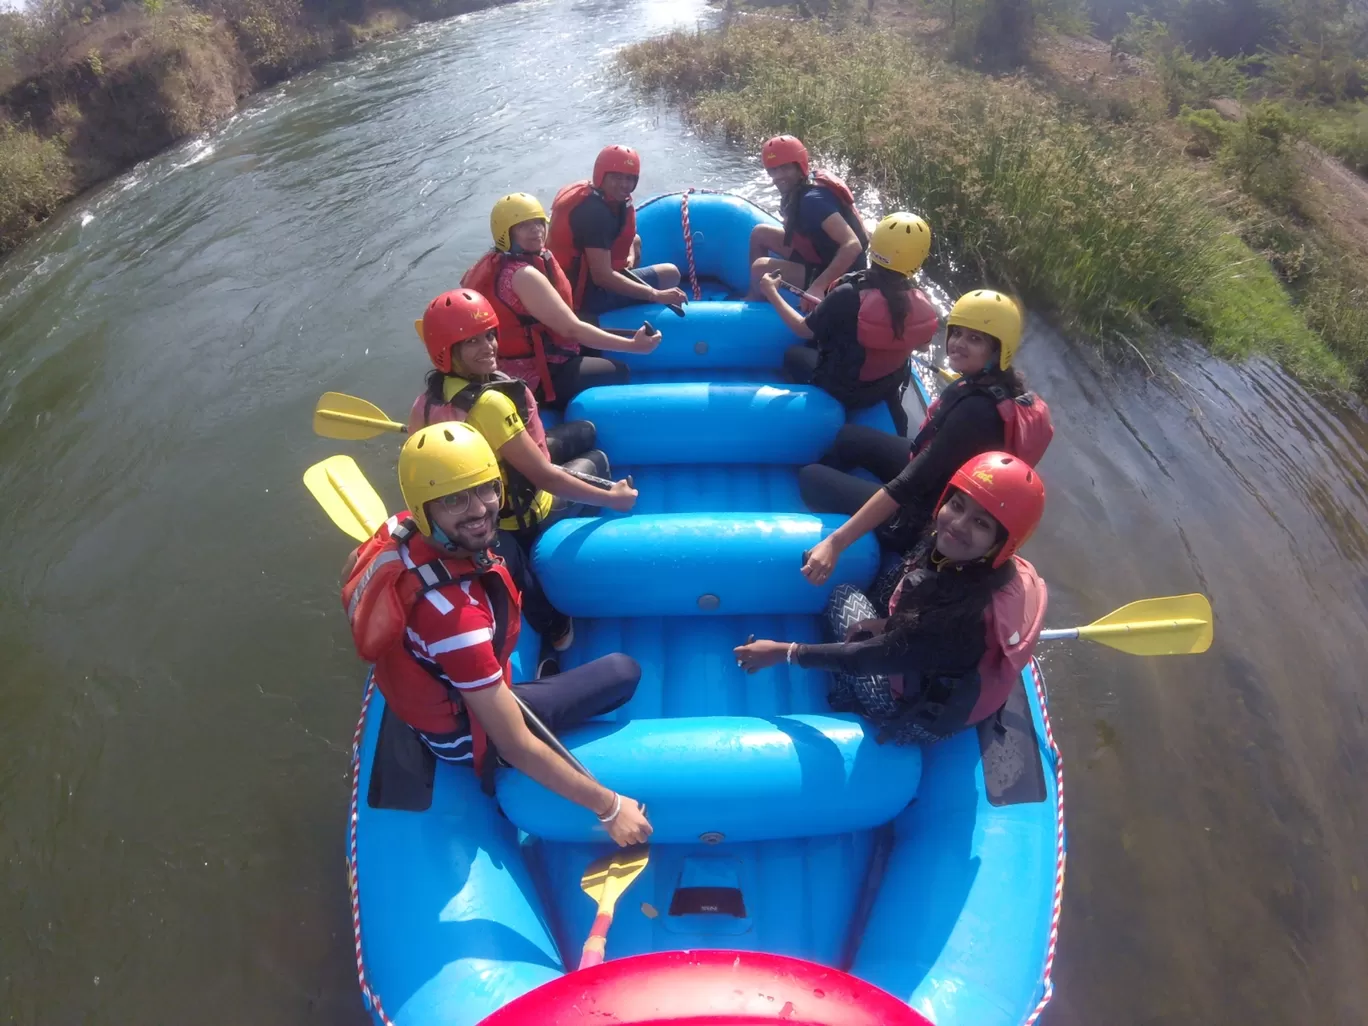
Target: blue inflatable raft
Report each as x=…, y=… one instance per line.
x=780, y=826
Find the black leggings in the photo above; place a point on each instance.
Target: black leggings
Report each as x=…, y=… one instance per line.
x=571, y=447
x=544, y=618
x=826, y=487
x=576, y=374
x=567, y=699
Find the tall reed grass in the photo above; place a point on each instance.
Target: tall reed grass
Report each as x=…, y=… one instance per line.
x=1101, y=228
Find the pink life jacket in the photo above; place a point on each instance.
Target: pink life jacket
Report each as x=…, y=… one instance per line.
x=885, y=352
x=1012, y=622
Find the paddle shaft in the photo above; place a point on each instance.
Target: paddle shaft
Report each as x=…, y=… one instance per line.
x=552, y=742
x=597, y=942
x=627, y=272
x=382, y=423
x=1104, y=630
x=356, y=418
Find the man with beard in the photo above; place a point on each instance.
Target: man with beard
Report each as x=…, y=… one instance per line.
x=438, y=613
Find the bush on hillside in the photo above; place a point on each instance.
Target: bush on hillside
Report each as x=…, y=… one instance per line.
x=34, y=178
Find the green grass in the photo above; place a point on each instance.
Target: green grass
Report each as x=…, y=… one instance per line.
x=1105, y=229
x=1340, y=131
x=34, y=177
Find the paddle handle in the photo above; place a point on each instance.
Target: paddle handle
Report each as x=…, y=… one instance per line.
x=597, y=941
x=629, y=332
x=627, y=272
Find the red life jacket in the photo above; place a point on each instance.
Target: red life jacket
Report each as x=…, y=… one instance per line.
x=524, y=342
x=803, y=246
x=885, y=352
x=561, y=238
x=380, y=592
x=1027, y=426
x=519, y=493
x=1012, y=623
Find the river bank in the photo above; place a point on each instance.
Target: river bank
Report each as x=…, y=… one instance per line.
x=84, y=100
x=1102, y=224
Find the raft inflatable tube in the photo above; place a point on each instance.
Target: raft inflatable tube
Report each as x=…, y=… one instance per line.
x=693, y=564
x=705, y=777
x=695, y=422
x=784, y=832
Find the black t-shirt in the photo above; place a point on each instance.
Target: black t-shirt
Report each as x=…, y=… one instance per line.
x=972, y=426
x=594, y=224
x=836, y=320
x=815, y=205
x=835, y=329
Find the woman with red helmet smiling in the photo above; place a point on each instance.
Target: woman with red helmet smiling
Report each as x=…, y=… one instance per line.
x=963, y=614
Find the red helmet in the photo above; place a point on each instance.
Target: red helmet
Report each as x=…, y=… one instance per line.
x=622, y=159
x=784, y=149
x=452, y=318
x=1009, y=489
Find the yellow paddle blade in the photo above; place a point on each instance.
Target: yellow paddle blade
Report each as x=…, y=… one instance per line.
x=1174, y=625
x=346, y=496
x=607, y=878
x=345, y=416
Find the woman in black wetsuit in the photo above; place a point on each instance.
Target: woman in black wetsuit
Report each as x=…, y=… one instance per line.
x=987, y=409
x=919, y=657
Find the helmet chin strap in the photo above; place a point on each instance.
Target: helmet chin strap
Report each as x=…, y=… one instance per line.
x=482, y=558
x=441, y=537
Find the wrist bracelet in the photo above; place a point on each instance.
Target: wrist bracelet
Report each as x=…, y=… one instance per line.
x=793, y=647
x=617, y=807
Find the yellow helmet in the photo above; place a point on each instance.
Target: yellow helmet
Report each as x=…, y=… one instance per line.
x=993, y=314
x=515, y=208
x=442, y=459
x=901, y=243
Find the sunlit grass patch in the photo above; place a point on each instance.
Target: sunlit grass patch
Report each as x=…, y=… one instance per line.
x=1102, y=228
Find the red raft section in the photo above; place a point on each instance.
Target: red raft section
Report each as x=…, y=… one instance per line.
x=707, y=988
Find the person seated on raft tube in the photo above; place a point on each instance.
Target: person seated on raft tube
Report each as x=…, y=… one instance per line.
x=540, y=338
x=822, y=237
x=987, y=409
x=862, y=333
x=547, y=474
x=438, y=615
x=594, y=238
x=940, y=642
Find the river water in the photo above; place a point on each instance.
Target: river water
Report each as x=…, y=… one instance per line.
x=179, y=690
